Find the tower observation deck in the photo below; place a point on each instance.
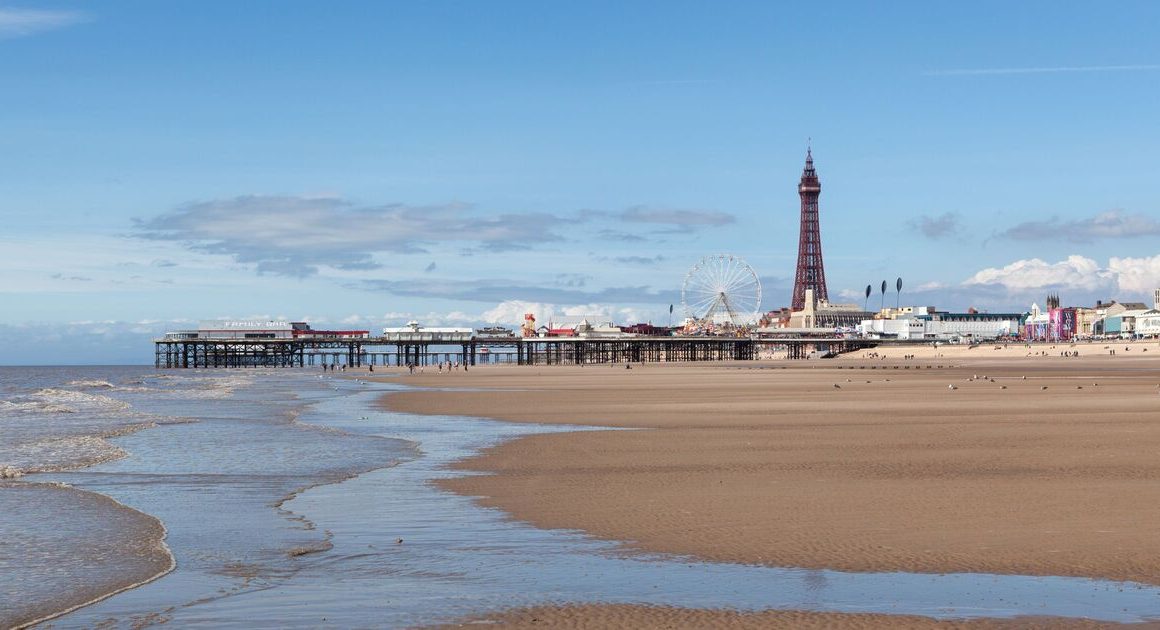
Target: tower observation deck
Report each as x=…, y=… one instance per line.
x=811, y=273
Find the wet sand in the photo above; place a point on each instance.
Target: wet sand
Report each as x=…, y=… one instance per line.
x=807, y=464
x=661, y=617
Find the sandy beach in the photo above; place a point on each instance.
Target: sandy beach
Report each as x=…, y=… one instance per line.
x=1007, y=460
x=596, y=617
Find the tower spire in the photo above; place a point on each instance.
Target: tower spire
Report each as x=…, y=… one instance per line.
x=811, y=273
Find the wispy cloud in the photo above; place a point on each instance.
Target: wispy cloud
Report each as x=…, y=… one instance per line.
x=638, y=260
x=623, y=237
x=676, y=217
x=1113, y=224
x=24, y=22
x=295, y=236
x=1040, y=70
x=629, y=260
x=946, y=224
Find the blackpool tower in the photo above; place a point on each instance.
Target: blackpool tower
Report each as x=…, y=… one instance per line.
x=811, y=274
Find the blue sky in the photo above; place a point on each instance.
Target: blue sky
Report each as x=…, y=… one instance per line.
x=360, y=164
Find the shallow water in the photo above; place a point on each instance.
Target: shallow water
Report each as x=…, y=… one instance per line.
x=220, y=451
x=455, y=557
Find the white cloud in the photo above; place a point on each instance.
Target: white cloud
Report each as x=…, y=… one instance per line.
x=1138, y=275
x=22, y=22
x=1075, y=272
x=929, y=286
x=1080, y=278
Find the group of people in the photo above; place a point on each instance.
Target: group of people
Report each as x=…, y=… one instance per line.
x=450, y=366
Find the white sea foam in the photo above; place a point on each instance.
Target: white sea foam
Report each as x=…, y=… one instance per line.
x=62, y=453
x=90, y=384
x=19, y=407
x=79, y=401
x=60, y=428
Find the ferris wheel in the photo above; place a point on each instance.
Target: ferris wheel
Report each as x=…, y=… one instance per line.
x=722, y=289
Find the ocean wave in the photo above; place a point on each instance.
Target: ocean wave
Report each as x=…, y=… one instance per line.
x=59, y=454
x=91, y=384
x=19, y=407
x=79, y=401
x=187, y=383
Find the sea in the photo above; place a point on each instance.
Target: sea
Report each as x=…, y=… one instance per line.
x=132, y=497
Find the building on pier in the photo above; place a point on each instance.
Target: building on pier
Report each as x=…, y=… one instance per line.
x=222, y=329
x=413, y=332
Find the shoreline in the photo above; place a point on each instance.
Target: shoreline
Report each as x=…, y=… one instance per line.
x=549, y=480
x=278, y=535
x=74, y=603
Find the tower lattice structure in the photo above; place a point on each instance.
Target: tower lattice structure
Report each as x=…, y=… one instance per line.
x=811, y=273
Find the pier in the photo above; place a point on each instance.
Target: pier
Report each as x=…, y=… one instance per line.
x=430, y=349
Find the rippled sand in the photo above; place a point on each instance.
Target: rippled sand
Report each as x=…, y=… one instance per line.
x=859, y=464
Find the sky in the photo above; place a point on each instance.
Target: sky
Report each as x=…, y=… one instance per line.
x=362, y=164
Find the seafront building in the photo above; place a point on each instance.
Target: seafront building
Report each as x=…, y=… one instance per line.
x=819, y=313
x=925, y=323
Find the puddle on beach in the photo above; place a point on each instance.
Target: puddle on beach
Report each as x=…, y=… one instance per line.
x=456, y=558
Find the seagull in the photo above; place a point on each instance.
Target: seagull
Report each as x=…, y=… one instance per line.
x=951, y=386
x=1002, y=387
x=837, y=386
